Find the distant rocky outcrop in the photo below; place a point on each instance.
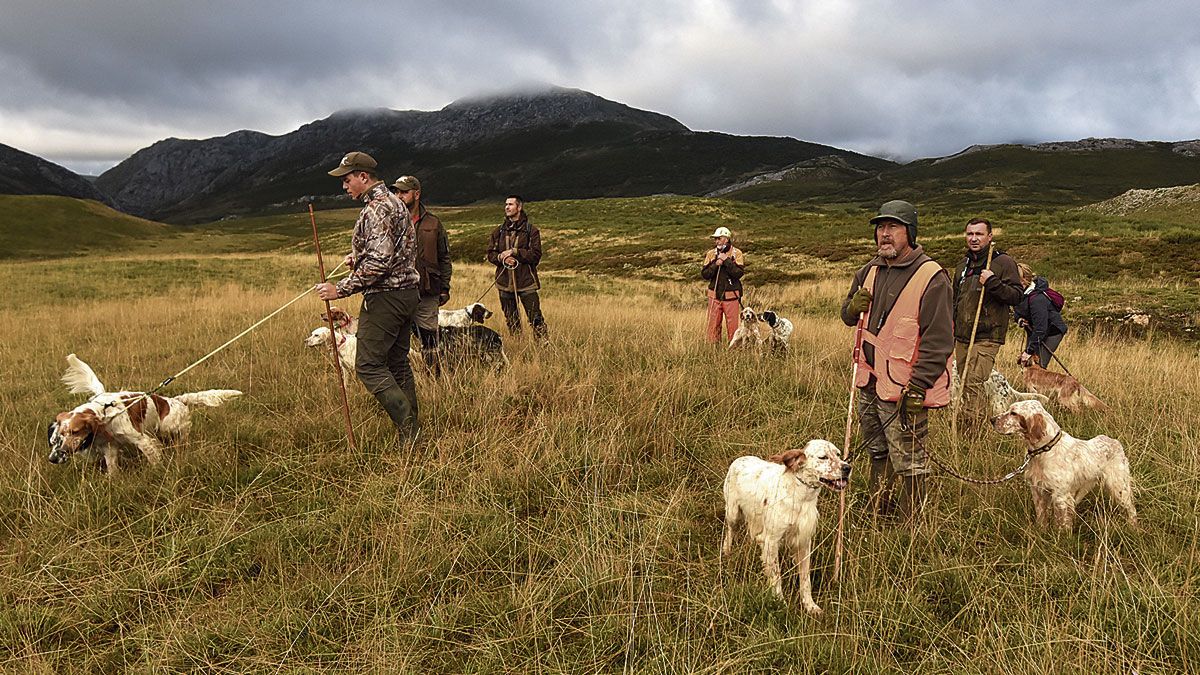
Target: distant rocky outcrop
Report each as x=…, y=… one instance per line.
x=1133, y=201
x=820, y=168
x=1186, y=148
x=24, y=174
x=553, y=143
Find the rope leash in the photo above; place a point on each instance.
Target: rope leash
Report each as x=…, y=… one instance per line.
x=485, y=291
x=209, y=355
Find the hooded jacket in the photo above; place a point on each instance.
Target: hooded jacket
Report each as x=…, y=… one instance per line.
x=1045, y=320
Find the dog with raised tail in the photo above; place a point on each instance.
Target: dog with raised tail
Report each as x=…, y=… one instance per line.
x=110, y=421
x=777, y=500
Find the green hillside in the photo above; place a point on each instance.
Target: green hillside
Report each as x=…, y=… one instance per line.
x=1000, y=176
x=43, y=226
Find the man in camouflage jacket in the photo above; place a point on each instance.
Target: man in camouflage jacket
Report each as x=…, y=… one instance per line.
x=383, y=268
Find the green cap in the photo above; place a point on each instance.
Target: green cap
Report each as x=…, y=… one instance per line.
x=404, y=183
x=355, y=161
x=897, y=210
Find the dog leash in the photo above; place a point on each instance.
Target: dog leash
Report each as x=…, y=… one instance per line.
x=1054, y=356
x=209, y=355
x=1029, y=455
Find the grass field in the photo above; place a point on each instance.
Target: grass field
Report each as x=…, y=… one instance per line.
x=565, y=517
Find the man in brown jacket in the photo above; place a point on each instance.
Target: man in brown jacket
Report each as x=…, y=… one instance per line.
x=433, y=264
x=904, y=300
x=1001, y=287
x=515, y=249
x=723, y=267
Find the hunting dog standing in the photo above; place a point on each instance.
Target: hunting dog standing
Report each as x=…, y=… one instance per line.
x=110, y=421
x=777, y=500
x=1063, y=468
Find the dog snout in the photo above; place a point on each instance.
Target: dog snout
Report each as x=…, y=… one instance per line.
x=846, y=468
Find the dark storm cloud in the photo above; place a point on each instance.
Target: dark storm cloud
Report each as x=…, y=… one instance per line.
x=93, y=82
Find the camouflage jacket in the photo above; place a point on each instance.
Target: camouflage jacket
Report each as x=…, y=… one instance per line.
x=384, y=246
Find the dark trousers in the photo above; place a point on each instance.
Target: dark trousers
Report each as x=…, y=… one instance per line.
x=533, y=310
x=384, y=331
x=1050, y=344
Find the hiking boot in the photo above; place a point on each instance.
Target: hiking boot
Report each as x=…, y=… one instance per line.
x=401, y=407
x=915, y=493
x=881, y=484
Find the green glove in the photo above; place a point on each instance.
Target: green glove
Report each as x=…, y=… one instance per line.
x=859, y=301
x=913, y=400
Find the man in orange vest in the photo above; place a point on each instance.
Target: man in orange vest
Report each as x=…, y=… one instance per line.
x=904, y=302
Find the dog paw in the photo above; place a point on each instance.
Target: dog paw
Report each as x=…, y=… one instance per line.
x=813, y=609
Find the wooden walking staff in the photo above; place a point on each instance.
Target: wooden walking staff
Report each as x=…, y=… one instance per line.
x=962, y=377
x=837, y=549
x=337, y=362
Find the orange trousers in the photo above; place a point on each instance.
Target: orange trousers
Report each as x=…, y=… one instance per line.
x=730, y=310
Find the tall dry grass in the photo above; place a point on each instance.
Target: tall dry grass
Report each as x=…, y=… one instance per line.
x=563, y=516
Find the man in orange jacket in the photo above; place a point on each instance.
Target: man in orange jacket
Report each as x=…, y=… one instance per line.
x=904, y=300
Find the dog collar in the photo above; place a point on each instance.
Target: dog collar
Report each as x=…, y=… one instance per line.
x=1046, y=447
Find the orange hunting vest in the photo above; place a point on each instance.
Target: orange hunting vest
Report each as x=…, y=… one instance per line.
x=897, y=343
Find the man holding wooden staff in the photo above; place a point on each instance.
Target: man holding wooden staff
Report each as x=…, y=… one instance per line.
x=903, y=299
x=382, y=261
x=986, y=286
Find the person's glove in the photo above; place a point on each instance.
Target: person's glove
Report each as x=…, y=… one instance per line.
x=443, y=298
x=912, y=400
x=859, y=301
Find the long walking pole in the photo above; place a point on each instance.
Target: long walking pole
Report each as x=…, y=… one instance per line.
x=837, y=549
x=962, y=377
x=337, y=363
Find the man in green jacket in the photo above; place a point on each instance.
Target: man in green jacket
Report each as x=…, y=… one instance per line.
x=1000, y=284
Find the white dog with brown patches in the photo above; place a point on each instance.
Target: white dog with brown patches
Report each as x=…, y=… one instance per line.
x=112, y=420
x=777, y=500
x=1064, y=469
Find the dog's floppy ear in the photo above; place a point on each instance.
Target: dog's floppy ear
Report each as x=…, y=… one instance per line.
x=790, y=458
x=769, y=317
x=1033, y=426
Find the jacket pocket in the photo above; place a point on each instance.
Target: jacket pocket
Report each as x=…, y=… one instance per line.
x=903, y=345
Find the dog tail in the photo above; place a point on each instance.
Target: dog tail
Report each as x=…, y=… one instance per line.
x=1089, y=399
x=210, y=398
x=80, y=378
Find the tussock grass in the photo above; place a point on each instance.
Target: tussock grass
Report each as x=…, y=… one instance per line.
x=562, y=517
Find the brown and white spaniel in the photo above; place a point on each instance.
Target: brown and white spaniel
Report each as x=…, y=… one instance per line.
x=112, y=420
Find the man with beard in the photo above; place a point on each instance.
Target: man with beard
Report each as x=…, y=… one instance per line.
x=903, y=300
x=433, y=264
x=1000, y=284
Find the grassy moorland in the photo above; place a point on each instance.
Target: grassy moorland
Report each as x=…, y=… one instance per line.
x=566, y=516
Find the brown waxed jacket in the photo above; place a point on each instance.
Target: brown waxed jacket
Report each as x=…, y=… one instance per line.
x=527, y=241
x=433, y=253
x=1001, y=292
x=935, y=322
x=725, y=279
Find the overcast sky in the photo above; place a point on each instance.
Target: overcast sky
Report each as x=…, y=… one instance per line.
x=86, y=84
